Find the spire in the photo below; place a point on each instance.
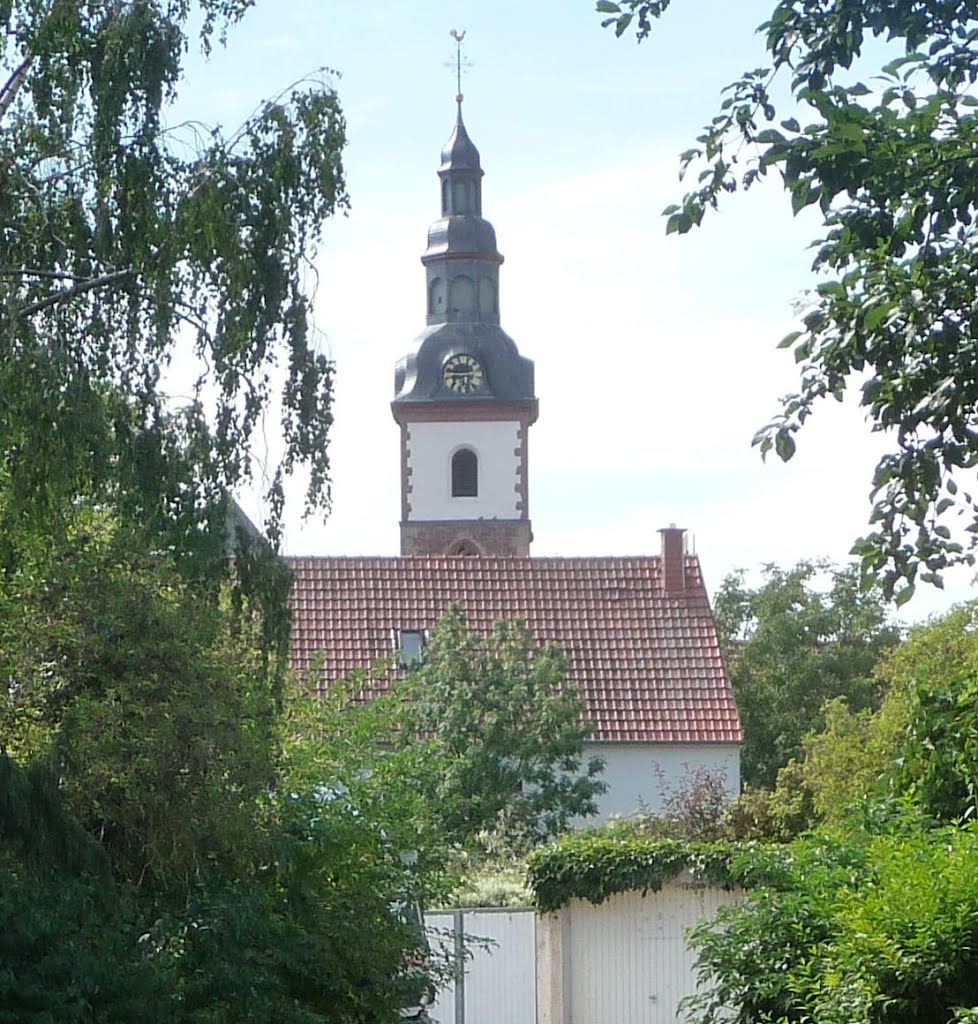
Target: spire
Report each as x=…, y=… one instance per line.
x=462, y=233
x=459, y=154
x=460, y=171
x=462, y=295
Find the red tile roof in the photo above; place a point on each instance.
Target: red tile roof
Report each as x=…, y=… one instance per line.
x=648, y=663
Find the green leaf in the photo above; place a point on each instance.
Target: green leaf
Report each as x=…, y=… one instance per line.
x=606, y=7
x=678, y=222
x=903, y=595
x=789, y=339
x=801, y=196
x=875, y=316
x=784, y=445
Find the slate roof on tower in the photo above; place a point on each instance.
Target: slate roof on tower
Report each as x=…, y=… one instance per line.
x=461, y=265
x=644, y=654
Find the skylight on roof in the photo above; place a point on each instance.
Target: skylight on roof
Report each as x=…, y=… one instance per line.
x=409, y=644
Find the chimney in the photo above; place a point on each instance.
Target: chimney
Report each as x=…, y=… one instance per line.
x=673, y=559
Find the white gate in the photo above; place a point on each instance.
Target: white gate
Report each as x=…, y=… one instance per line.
x=499, y=981
x=625, y=960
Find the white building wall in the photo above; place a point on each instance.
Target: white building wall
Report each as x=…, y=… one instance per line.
x=645, y=774
x=430, y=449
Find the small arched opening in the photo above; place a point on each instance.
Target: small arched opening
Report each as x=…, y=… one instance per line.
x=464, y=549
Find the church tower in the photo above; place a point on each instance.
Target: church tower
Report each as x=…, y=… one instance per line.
x=464, y=396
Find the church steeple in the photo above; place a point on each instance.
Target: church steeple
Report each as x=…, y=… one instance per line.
x=462, y=261
x=464, y=396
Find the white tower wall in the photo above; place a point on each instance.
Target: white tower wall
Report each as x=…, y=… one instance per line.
x=430, y=447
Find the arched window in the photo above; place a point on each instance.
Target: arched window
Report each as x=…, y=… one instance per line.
x=465, y=474
x=436, y=296
x=461, y=295
x=463, y=193
x=487, y=297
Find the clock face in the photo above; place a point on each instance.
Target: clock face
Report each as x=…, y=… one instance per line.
x=463, y=374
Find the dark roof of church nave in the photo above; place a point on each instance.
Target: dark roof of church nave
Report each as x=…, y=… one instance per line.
x=647, y=662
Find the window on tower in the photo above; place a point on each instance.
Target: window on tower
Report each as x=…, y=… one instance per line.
x=465, y=474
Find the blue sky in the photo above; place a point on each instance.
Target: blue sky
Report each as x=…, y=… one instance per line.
x=656, y=357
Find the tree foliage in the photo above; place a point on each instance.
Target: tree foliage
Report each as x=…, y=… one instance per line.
x=872, y=916
x=68, y=946
x=790, y=647
x=937, y=764
x=162, y=854
x=348, y=748
x=870, y=929
x=775, y=815
x=155, y=711
x=887, y=160
x=162, y=857
x=131, y=245
x=919, y=747
x=854, y=757
x=506, y=728
x=309, y=935
x=478, y=745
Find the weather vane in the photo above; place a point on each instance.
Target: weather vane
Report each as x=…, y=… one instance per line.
x=461, y=64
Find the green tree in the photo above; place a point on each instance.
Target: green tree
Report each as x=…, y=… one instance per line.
x=161, y=855
x=775, y=815
x=506, y=730
x=937, y=762
x=129, y=243
x=68, y=946
x=871, y=917
x=160, y=859
x=869, y=930
x=853, y=759
x=886, y=155
x=309, y=933
x=914, y=747
x=346, y=747
x=920, y=745
x=312, y=934
x=155, y=710
x=790, y=647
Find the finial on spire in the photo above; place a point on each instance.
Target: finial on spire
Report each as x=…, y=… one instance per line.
x=458, y=37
